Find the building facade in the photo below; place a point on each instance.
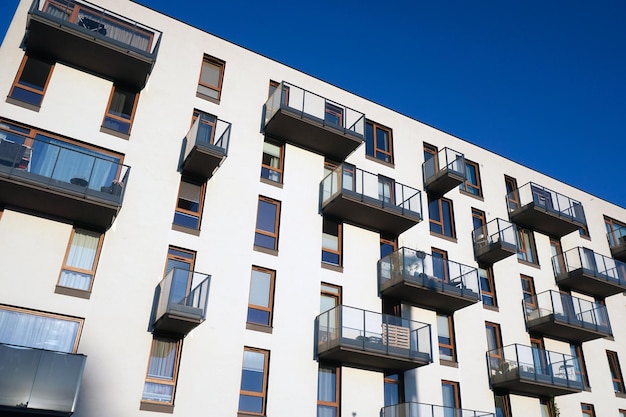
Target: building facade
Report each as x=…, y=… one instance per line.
x=212, y=232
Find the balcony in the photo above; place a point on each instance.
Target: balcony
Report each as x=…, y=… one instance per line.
x=443, y=171
x=533, y=372
x=57, y=179
x=494, y=241
x=372, y=341
x=86, y=36
x=617, y=243
x=313, y=122
x=424, y=280
x=538, y=208
x=39, y=382
x=181, y=300
x=370, y=201
x=588, y=272
x=560, y=316
x=429, y=410
x=203, y=154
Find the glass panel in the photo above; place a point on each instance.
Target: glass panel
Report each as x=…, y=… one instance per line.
x=326, y=385
x=266, y=219
x=251, y=404
x=81, y=255
x=260, y=288
x=162, y=359
x=252, y=373
x=210, y=74
x=35, y=74
x=41, y=332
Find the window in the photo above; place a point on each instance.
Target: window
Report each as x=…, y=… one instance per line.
x=472, y=184
x=388, y=245
x=31, y=81
x=528, y=291
x=253, y=392
x=546, y=408
x=190, y=203
x=494, y=344
x=120, y=110
x=211, y=77
x=39, y=330
x=162, y=372
x=616, y=372
x=616, y=231
x=272, y=162
x=580, y=368
x=273, y=87
x=558, y=263
x=587, y=410
x=441, y=217
x=330, y=297
x=540, y=358
x=331, y=242
x=526, y=250
x=512, y=192
x=440, y=264
x=430, y=151
x=328, y=391
x=386, y=190
x=180, y=258
x=267, y=221
x=622, y=413
x=584, y=232
x=445, y=332
x=378, y=142
x=503, y=405
x=394, y=389
x=451, y=397
x=81, y=259
x=206, y=127
x=333, y=114
x=478, y=219
x=487, y=287
x=261, y=301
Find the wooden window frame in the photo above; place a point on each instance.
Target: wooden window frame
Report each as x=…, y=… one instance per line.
x=612, y=225
x=386, y=181
x=270, y=301
x=452, y=344
x=120, y=119
x=195, y=214
x=398, y=382
x=485, y=293
x=337, y=403
x=587, y=410
x=456, y=388
x=506, y=404
x=514, y=200
x=263, y=393
x=622, y=412
x=444, y=257
x=276, y=231
x=339, y=251
x=388, y=241
x=336, y=295
x=441, y=222
x=162, y=404
x=17, y=83
x=616, y=372
x=273, y=86
x=376, y=152
x=334, y=111
x=466, y=186
x=217, y=88
x=522, y=250
x=92, y=272
x=530, y=292
x=577, y=350
x=280, y=169
x=499, y=355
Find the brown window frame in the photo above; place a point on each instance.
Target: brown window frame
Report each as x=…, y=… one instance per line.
x=530, y=291
x=326, y=224
x=190, y=213
x=523, y=250
x=337, y=403
x=444, y=257
x=577, y=350
x=616, y=372
x=117, y=118
x=510, y=183
x=441, y=222
x=334, y=111
x=622, y=412
x=171, y=255
x=587, y=410
x=456, y=388
x=497, y=333
x=91, y=272
x=263, y=393
x=612, y=225
x=337, y=295
x=452, y=344
x=273, y=86
x=506, y=404
x=279, y=169
x=270, y=302
x=398, y=382
x=391, y=183
x=392, y=242
x=376, y=152
x=466, y=186
x=17, y=83
x=274, y=235
x=162, y=381
x=484, y=292
x=221, y=65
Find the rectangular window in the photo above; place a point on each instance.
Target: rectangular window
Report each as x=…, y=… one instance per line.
x=546, y=408
x=331, y=242
x=190, y=203
x=487, y=287
x=179, y=258
x=273, y=87
x=162, y=372
x=328, y=391
x=616, y=231
x=261, y=301
x=441, y=217
x=31, y=81
x=120, y=110
x=478, y=218
x=272, y=161
x=253, y=391
x=528, y=291
x=330, y=297
x=526, y=250
x=378, y=142
x=333, y=114
x=451, y=396
x=267, y=222
x=587, y=410
x=472, y=184
x=622, y=413
x=445, y=332
x=580, y=368
x=511, y=192
x=386, y=190
x=494, y=344
x=211, y=77
x=394, y=389
x=388, y=245
x=616, y=372
x=81, y=259
x=503, y=405
x=206, y=127
x=440, y=264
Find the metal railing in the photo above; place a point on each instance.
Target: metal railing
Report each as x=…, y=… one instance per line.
x=497, y=230
x=447, y=160
x=546, y=199
x=203, y=135
x=590, y=262
x=414, y=409
x=183, y=291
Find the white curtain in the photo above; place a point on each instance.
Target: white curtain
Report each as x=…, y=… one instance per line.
x=161, y=366
x=23, y=329
x=81, y=255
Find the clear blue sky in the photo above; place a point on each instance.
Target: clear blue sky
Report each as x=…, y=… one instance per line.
x=540, y=82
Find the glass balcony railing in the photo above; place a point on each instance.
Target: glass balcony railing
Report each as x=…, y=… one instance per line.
x=429, y=410
x=495, y=241
x=617, y=242
x=443, y=171
x=406, y=268
x=347, y=333
x=182, y=298
x=589, y=272
x=547, y=312
x=38, y=381
x=206, y=146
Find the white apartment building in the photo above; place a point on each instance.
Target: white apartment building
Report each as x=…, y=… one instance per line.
x=188, y=227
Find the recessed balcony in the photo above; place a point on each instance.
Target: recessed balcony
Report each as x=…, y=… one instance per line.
x=313, y=122
x=38, y=382
x=443, y=171
x=424, y=280
x=205, y=147
x=560, y=316
x=617, y=243
x=93, y=39
x=585, y=271
x=537, y=208
x=181, y=300
x=534, y=372
x=373, y=341
x=47, y=176
x=371, y=201
x=429, y=410
x=494, y=241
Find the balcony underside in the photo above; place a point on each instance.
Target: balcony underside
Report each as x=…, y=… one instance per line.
x=373, y=356
x=533, y=385
x=56, y=199
x=443, y=182
x=619, y=252
x=178, y=320
x=202, y=161
x=70, y=44
x=551, y=223
x=312, y=133
x=370, y=213
x=588, y=282
x=573, y=331
x=491, y=253
x=430, y=293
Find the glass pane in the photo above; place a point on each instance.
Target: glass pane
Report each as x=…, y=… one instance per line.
x=157, y=392
x=83, y=248
x=326, y=385
x=251, y=404
x=35, y=74
x=260, y=288
x=30, y=330
x=210, y=74
x=266, y=218
x=258, y=316
x=162, y=359
x=252, y=373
